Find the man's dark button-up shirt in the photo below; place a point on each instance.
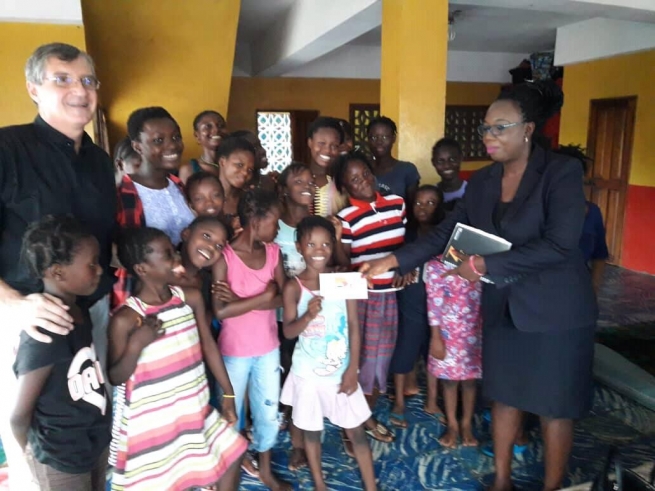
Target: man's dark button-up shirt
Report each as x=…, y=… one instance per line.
x=40, y=174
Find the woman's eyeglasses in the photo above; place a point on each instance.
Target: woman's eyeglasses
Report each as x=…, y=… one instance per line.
x=495, y=129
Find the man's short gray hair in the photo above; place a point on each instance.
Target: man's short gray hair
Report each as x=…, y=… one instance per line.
x=35, y=66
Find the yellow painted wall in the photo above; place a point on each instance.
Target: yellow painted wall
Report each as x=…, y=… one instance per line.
x=17, y=42
x=413, y=76
x=332, y=97
x=162, y=53
x=620, y=76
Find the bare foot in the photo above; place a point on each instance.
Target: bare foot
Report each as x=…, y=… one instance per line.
x=450, y=438
x=468, y=438
x=297, y=459
x=275, y=484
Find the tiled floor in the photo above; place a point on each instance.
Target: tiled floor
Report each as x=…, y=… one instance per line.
x=627, y=316
x=416, y=461
x=626, y=300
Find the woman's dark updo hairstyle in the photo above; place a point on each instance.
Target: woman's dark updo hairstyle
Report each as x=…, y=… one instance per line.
x=307, y=224
x=140, y=117
x=576, y=152
x=538, y=101
x=384, y=121
x=340, y=167
x=134, y=246
x=208, y=112
x=52, y=240
x=256, y=203
x=325, y=122
x=233, y=144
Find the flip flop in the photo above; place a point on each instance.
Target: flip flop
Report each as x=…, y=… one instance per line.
x=381, y=433
x=398, y=420
x=253, y=470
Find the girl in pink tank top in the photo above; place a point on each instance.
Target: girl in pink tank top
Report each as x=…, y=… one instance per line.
x=248, y=288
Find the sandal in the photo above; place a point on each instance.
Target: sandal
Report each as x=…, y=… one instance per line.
x=347, y=445
x=250, y=464
x=398, y=420
x=297, y=459
x=381, y=433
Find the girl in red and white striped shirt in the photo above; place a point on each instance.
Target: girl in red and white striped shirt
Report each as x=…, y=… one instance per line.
x=373, y=227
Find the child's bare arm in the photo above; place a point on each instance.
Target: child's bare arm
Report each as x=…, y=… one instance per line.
x=226, y=304
x=354, y=336
x=342, y=254
x=293, y=325
x=210, y=351
x=437, y=345
x=280, y=279
x=30, y=386
x=128, y=334
x=350, y=376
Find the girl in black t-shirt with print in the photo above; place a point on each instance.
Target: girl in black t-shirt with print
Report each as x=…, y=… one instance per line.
x=62, y=417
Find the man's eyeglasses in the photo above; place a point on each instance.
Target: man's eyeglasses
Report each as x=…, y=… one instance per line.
x=495, y=129
x=380, y=138
x=89, y=82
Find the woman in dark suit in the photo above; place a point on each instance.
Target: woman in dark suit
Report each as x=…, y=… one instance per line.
x=540, y=313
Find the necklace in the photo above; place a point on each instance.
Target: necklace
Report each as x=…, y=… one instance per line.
x=209, y=163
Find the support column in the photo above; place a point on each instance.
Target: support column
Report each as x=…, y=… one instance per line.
x=413, y=76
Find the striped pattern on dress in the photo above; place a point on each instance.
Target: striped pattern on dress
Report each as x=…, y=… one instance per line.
x=167, y=435
x=374, y=230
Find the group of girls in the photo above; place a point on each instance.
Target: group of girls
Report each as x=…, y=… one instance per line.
x=207, y=264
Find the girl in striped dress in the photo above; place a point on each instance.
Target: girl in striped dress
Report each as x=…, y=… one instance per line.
x=168, y=437
x=372, y=227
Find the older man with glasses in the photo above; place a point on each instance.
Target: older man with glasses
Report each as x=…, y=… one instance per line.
x=50, y=166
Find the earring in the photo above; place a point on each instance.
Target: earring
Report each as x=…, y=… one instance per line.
x=526, y=139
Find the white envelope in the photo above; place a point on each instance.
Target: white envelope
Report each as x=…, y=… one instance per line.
x=343, y=286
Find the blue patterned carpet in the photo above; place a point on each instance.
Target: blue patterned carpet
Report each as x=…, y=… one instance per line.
x=416, y=461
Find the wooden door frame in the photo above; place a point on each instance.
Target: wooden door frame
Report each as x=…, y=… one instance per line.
x=626, y=155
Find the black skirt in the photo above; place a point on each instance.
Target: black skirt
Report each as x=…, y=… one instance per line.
x=544, y=373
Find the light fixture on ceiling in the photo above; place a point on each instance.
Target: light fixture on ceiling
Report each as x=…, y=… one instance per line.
x=451, y=24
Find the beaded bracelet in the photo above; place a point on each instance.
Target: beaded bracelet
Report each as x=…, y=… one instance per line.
x=472, y=264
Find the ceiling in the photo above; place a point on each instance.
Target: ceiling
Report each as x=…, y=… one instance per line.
x=496, y=30
x=511, y=26
x=499, y=26
x=257, y=15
